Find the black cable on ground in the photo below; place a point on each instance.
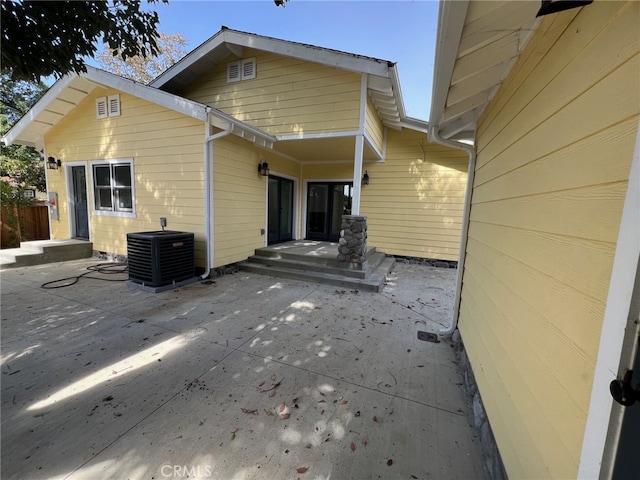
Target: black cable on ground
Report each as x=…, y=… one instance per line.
x=103, y=268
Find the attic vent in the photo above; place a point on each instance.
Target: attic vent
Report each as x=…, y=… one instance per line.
x=249, y=69
x=114, y=105
x=241, y=70
x=233, y=72
x=101, y=107
x=108, y=106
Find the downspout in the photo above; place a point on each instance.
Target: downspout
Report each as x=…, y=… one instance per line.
x=208, y=189
x=434, y=135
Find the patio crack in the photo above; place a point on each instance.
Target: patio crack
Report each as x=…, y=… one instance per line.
x=348, y=382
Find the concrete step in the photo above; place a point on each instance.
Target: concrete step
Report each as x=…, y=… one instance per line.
x=39, y=252
x=373, y=282
x=327, y=259
x=307, y=263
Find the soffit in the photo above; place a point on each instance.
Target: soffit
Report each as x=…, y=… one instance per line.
x=57, y=102
x=330, y=149
x=483, y=49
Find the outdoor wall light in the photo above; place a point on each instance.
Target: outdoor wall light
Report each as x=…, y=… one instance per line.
x=263, y=169
x=53, y=164
x=555, y=6
x=365, y=179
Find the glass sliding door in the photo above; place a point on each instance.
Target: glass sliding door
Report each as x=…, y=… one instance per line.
x=326, y=203
x=317, y=211
x=280, y=208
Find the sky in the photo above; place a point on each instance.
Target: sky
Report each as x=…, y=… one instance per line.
x=400, y=31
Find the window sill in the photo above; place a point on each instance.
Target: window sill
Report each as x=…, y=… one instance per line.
x=105, y=213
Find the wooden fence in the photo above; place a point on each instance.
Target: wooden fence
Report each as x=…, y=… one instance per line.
x=22, y=224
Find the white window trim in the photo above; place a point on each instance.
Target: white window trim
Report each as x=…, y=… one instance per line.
x=112, y=213
x=240, y=64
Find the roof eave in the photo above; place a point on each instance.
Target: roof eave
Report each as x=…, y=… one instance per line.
x=20, y=126
x=324, y=56
x=105, y=79
x=451, y=17
x=165, y=99
x=241, y=129
x=415, y=124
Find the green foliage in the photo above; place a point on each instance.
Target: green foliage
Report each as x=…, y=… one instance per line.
x=41, y=39
x=21, y=163
x=18, y=96
x=10, y=195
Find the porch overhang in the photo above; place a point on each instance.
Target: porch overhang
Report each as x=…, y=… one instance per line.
x=338, y=148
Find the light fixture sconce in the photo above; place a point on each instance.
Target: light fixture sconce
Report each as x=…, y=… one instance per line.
x=555, y=6
x=263, y=168
x=53, y=164
x=365, y=178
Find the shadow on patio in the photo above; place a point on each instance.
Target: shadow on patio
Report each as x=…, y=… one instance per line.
x=249, y=377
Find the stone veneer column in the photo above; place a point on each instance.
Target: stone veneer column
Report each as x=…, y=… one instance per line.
x=353, y=240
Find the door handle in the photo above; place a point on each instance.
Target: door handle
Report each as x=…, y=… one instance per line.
x=623, y=392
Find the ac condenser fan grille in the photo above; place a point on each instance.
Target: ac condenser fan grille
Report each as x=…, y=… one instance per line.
x=160, y=258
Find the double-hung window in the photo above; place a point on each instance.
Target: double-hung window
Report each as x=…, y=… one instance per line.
x=113, y=187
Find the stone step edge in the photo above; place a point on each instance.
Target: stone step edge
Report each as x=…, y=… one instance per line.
x=303, y=264
x=300, y=256
x=374, y=283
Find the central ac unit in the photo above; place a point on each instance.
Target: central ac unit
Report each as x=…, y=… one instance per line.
x=160, y=258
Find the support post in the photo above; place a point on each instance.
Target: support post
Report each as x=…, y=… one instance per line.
x=357, y=175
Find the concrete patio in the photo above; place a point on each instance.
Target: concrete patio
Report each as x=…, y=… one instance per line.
x=244, y=377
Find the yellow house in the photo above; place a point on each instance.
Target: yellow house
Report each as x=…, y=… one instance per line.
x=189, y=147
x=545, y=98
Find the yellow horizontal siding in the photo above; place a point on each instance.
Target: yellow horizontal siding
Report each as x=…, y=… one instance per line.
x=554, y=151
x=167, y=152
x=282, y=166
x=373, y=125
x=239, y=201
x=561, y=128
x=288, y=96
x=415, y=200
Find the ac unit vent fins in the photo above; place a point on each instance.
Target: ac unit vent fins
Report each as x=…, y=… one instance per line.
x=160, y=258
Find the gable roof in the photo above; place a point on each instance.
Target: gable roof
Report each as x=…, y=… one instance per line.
x=383, y=83
x=71, y=89
x=477, y=44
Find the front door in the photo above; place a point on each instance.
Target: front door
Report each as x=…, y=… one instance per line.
x=326, y=203
x=80, y=206
x=280, y=218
